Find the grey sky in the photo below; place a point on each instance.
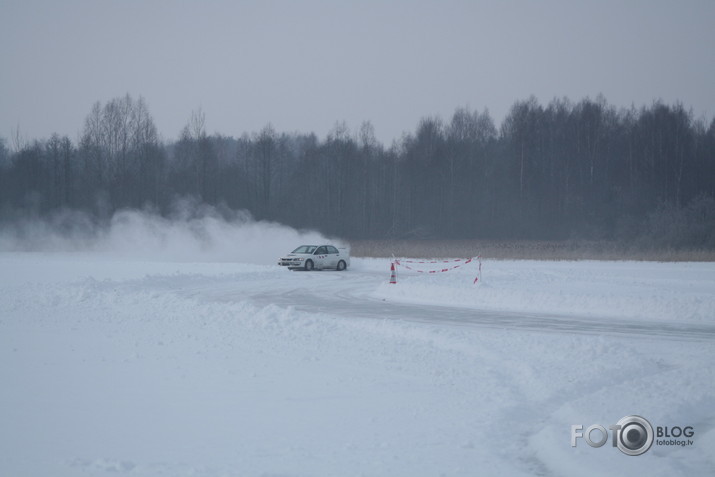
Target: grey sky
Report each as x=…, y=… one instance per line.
x=303, y=65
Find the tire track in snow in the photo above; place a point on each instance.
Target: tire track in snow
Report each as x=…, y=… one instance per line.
x=347, y=294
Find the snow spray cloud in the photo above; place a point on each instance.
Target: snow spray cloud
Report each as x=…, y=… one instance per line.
x=191, y=232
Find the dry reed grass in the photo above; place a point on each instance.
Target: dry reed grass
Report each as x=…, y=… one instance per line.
x=523, y=250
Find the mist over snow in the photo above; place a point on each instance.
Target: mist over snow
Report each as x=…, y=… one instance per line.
x=190, y=232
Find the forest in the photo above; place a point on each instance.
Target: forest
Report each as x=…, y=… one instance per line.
x=567, y=170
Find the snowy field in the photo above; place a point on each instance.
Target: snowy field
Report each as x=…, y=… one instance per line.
x=122, y=363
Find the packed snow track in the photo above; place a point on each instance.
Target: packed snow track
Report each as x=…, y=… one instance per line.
x=352, y=295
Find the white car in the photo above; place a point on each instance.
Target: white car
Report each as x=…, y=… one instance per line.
x=317, y=257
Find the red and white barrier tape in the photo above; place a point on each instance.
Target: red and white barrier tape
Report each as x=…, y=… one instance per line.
x=465, y=260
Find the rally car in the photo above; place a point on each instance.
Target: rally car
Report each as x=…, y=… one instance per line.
x=316, y=257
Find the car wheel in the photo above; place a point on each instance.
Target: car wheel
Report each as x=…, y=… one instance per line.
x=308, y=265
x=341, y=265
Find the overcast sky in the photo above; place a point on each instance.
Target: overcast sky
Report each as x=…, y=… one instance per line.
x=303, y=65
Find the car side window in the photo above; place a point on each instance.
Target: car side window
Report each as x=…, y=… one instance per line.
x=321, y=251
x=332, y=249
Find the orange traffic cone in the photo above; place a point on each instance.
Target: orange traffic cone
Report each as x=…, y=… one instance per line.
x=393, y=273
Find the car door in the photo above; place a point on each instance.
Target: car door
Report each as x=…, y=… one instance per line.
x=321, y=257
x=333, y=257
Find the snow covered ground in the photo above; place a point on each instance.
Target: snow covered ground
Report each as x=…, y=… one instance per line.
x=129, y=364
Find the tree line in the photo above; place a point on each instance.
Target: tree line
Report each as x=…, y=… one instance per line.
x=565, y=170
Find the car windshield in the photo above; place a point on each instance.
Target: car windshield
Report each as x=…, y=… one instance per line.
x=305, y=249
